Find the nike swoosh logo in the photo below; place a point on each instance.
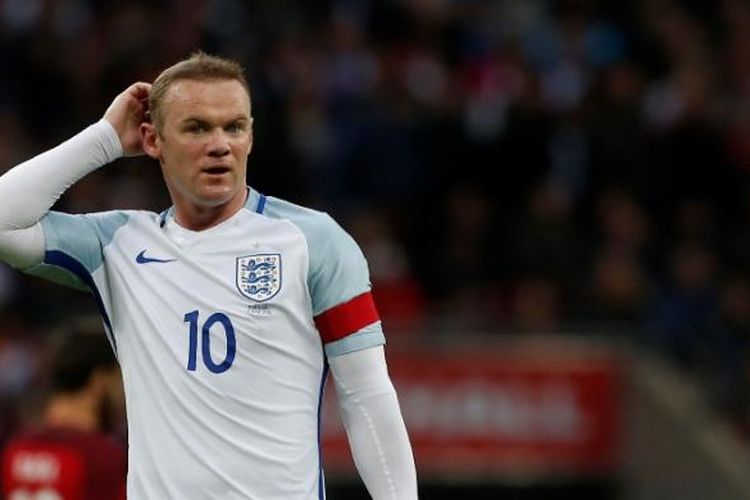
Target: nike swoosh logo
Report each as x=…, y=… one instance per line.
x=142, y=259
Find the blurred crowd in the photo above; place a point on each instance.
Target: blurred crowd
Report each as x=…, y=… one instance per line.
x=508, y=166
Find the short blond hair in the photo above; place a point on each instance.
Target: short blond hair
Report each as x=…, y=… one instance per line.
x=199, y=66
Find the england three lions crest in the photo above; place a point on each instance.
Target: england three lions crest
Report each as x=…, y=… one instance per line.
x=259, y=276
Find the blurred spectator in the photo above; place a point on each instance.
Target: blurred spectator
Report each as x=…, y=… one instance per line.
x=618, y=137
x=460, y=257
x=619, y=285
x=536, y=306
x=544, y=237
x=680, y=318
x=618, y=289
x=623, y=224
x=20, y=365
x=66, y=453
x=399, y=297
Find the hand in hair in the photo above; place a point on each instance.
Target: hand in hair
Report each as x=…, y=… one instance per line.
x=126, y=114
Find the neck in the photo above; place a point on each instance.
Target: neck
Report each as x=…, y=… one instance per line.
x=197, y=217
x=73, y=411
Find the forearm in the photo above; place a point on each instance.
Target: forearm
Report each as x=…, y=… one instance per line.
x=29, y=190
x=372, y=418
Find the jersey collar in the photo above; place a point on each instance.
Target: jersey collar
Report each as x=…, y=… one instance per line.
x=256, y=202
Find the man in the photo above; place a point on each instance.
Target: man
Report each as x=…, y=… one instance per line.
x=69, y=456
x=224, y=311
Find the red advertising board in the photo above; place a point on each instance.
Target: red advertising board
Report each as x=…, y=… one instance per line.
x=494, y=412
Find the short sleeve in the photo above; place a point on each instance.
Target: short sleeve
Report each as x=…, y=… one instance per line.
x=337, y=278
x=74, y=246
x=338, y=270
x=339, y=282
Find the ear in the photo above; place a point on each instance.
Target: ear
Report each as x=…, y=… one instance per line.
x=150, y=140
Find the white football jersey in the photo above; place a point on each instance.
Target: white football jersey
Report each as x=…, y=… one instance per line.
x=222, y=337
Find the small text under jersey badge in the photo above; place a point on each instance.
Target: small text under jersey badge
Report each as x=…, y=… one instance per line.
x=258, y=276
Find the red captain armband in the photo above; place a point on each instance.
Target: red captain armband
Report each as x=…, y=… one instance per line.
x=347, y=318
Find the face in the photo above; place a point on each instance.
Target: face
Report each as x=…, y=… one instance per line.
x=203, y=143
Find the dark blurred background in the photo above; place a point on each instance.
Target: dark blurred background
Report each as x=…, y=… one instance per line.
x=521, y=173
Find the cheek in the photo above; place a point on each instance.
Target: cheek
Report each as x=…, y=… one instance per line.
x=182, y=154
x=243, y=148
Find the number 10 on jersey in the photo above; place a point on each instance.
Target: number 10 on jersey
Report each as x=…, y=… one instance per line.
x=193, y=319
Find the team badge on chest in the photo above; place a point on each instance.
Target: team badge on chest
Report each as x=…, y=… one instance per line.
x=258, y=276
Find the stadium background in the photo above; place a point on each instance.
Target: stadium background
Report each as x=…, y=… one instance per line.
x=552, y=196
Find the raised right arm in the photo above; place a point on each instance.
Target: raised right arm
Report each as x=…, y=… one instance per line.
x=28, y=190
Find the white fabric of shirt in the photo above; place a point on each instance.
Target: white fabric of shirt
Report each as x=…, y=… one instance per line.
x=204, y=423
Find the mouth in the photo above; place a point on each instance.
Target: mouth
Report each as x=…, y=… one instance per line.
x=216, y=170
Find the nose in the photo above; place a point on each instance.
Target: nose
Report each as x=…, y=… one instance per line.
x=218, y=144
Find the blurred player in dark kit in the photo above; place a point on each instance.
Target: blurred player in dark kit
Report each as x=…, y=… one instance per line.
x=69, y=455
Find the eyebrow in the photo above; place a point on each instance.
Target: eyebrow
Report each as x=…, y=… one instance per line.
x=197, y=119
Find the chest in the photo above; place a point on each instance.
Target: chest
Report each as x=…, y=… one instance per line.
x=234, y=302
x=247, y=271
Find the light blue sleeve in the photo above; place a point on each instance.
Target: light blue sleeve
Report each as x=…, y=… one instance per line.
x=74, y=246
x=337, y=270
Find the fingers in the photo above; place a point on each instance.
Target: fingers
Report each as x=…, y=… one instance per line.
x=127, y=112
x=139, y=93
x=139, y=90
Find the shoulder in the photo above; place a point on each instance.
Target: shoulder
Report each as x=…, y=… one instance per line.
x=106, y=222
x=319, y=228
x=337, y=269
x=83, y=236
x=307, y=219
x=121, y=217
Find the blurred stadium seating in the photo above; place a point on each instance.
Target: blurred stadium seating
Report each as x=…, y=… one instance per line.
x=558, y=190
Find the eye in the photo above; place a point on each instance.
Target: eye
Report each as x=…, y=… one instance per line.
x=195, y=128
x=235, y=127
